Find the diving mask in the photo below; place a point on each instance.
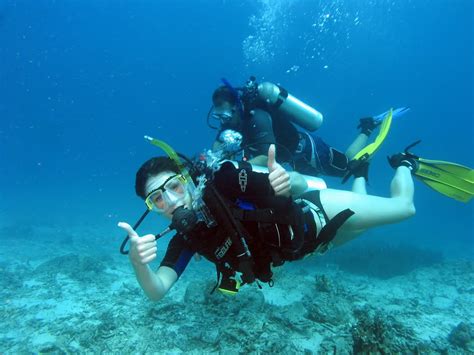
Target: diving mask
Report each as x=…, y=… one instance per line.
x=171, y=193
x=223, y=115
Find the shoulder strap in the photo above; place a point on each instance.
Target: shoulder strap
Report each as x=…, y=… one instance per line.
x=235, y=231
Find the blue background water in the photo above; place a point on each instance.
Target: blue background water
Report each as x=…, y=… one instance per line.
x=81, y=82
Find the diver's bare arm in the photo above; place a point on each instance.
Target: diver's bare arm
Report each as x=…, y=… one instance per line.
x=155, y=285
x=260, y=160
x=298, y=184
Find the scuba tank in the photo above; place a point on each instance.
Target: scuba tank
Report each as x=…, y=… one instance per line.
x=254, y=95
x=289, y=106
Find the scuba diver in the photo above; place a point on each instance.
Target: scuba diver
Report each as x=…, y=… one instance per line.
x=266, y=113
x=247, y=222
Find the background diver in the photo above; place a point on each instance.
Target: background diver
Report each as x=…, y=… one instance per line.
x=266, y=114
x=259, y=221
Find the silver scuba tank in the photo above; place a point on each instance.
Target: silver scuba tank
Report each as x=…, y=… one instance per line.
x=289, y=106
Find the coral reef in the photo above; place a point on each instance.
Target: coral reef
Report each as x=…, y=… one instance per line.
x=376, y=332
x=462, y=337
x=76, y=304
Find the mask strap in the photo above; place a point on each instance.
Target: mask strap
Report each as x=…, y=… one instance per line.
x=135, y=226
x=236, y=95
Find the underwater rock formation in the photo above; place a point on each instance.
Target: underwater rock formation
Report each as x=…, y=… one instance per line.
x=462, y=336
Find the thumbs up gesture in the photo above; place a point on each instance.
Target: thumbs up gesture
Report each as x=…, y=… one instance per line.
x=142, y=249
x=278, y=176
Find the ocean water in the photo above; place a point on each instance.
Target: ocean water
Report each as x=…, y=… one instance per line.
x=81, y=83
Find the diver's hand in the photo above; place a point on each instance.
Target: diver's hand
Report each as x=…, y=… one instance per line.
x=278, y=176
x=142, y=249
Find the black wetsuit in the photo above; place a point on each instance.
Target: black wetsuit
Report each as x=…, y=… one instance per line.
x=265, y=239
x=310, y=154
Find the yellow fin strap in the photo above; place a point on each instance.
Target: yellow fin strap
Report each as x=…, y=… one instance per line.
x=370, y=149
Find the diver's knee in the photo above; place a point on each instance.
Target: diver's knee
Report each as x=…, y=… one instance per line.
x=410, y=209
x=406, y=207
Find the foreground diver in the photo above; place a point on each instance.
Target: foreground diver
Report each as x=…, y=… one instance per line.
x=254, y=221
x=265, y=114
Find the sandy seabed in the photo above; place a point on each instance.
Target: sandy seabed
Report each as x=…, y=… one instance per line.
x=62, y=296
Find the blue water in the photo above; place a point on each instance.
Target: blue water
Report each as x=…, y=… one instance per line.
x=81, y=82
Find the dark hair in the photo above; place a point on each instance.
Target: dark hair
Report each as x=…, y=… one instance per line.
x=223, y=94
x=152, y=167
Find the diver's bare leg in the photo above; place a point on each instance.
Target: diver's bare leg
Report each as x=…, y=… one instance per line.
x=357, y=145
x=371, y=211
x=359, y=186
